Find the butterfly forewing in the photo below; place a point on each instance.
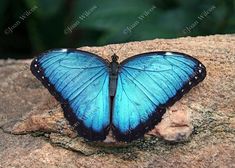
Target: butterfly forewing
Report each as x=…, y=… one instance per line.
x=80, y=81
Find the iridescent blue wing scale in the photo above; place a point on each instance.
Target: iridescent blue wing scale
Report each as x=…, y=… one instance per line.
x=80, y=81
x=147, y=84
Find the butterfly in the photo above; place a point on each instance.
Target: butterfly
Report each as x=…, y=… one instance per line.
x=127, y=98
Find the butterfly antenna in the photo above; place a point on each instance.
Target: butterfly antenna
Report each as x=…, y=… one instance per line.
x=123, y=44
x=117, y=50
x=121, y=47
x=111, y=49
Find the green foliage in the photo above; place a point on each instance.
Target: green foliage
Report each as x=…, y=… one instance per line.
x=31, y=26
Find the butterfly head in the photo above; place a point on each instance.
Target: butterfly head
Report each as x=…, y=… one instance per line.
x=114, y=58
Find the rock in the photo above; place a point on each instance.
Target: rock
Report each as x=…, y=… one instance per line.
x=176, y=124
x=49, y=121
x=75, y=144
x=26, y=107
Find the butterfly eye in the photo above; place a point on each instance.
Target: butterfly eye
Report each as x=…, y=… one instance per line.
x=115, y=58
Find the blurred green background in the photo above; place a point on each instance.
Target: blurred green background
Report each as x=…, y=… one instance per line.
x=29, y=27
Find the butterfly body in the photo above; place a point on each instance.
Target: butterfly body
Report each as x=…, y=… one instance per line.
x=114, y=67
x=127, y=98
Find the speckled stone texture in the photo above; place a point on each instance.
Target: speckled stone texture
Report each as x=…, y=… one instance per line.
x=211, y=105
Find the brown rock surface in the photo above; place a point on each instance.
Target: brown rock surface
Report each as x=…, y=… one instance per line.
x=26, y=106
x=176, y=124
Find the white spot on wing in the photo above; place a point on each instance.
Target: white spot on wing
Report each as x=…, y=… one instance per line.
x=168, y=53
x=64, y=50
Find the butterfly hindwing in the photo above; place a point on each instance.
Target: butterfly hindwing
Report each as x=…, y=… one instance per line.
x=80, y=81
x=147, y=84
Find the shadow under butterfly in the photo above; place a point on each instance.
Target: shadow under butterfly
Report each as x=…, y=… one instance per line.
x=127, y=98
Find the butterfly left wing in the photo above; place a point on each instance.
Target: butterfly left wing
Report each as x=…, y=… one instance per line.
x=80, y=81
x=147, y=84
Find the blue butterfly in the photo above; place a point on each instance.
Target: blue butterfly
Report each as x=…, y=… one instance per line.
x=129, y=99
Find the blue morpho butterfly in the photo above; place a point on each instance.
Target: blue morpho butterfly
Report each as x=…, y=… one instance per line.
x=127, y=98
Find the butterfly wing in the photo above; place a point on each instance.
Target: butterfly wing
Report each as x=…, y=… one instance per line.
x=147, y=84
x=80, y=81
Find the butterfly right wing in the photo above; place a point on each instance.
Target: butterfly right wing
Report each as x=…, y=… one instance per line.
x=147, y=84
x=80, y=81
